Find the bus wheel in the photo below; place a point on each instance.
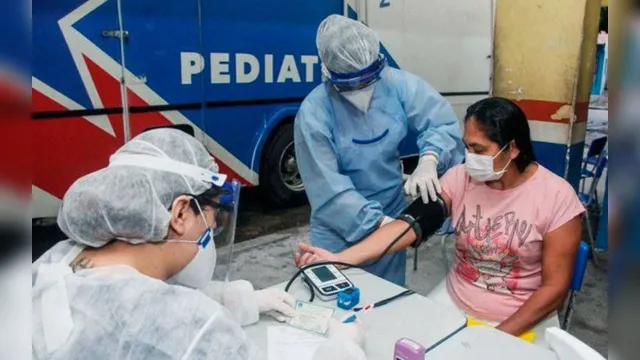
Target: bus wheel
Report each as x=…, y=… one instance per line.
x=280, y=179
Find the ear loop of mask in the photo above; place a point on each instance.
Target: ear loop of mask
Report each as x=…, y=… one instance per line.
x=504, y=169
x=501, y=150
x=207, y=228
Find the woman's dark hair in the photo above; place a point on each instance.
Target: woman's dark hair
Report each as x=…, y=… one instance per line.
x=503, y=121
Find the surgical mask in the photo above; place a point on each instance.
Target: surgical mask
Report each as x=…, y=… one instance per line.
x=199, y=271
x=360, y=98
x=480, y=167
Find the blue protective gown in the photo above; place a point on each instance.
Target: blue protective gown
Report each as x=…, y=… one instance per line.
x=350, y=164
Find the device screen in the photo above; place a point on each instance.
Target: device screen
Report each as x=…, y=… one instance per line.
x=324, y=274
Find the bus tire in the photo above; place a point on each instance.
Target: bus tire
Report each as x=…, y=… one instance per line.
x=280, y=181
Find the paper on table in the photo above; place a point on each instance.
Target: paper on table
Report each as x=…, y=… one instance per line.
x=287, y=343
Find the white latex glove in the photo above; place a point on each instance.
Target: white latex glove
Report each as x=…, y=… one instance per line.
x=276, y=303
x=385, y=221
x=352, y=332
x=424, y=180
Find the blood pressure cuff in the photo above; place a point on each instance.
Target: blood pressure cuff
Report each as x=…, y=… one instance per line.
x=425, y=219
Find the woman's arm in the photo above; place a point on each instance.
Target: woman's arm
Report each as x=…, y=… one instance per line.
x=368, y=249
x=558, y=254
x=373, y=246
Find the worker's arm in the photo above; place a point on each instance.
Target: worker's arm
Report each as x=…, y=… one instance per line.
x=332, y=195
x=558, y=254
x=237, y=297
x=199, y=329
x=432, y=117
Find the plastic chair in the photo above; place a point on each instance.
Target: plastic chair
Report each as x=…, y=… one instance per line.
x=568, y=347
x=595, y=149
x=594, y=155
x=579, y=269
x=590, y=199
x=591, y=196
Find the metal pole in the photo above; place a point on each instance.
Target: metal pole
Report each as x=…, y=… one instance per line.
x=567, y=315
x=123, y=80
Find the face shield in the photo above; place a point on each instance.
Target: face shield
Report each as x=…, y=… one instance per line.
x=224, y=233
x=357, y=80
x=225, y=206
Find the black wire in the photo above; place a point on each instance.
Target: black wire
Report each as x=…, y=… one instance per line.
x=313, y=292
x=303, y=268
x=387, y=300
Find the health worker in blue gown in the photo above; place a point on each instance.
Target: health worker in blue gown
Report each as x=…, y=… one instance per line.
x=347, y=136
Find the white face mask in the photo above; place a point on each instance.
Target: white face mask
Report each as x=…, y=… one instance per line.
x=360, y=98
x=480, y=167
x=199, y=271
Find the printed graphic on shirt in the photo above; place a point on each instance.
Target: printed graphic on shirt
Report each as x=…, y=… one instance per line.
x=488, y=249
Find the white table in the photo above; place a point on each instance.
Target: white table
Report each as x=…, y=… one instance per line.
x=485, y=343
x=414, y=317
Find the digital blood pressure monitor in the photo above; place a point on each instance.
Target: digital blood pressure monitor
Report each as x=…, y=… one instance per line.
x=326, y=280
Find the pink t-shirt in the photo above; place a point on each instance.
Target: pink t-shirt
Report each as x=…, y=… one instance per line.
x=499, y=235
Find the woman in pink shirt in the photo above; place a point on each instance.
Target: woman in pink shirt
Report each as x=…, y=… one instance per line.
x=517, y=225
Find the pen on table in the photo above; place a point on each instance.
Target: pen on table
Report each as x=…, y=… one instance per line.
x=351, y=318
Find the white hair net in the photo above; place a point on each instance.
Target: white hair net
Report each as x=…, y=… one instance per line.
x=131, y=203
x=346, y=46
